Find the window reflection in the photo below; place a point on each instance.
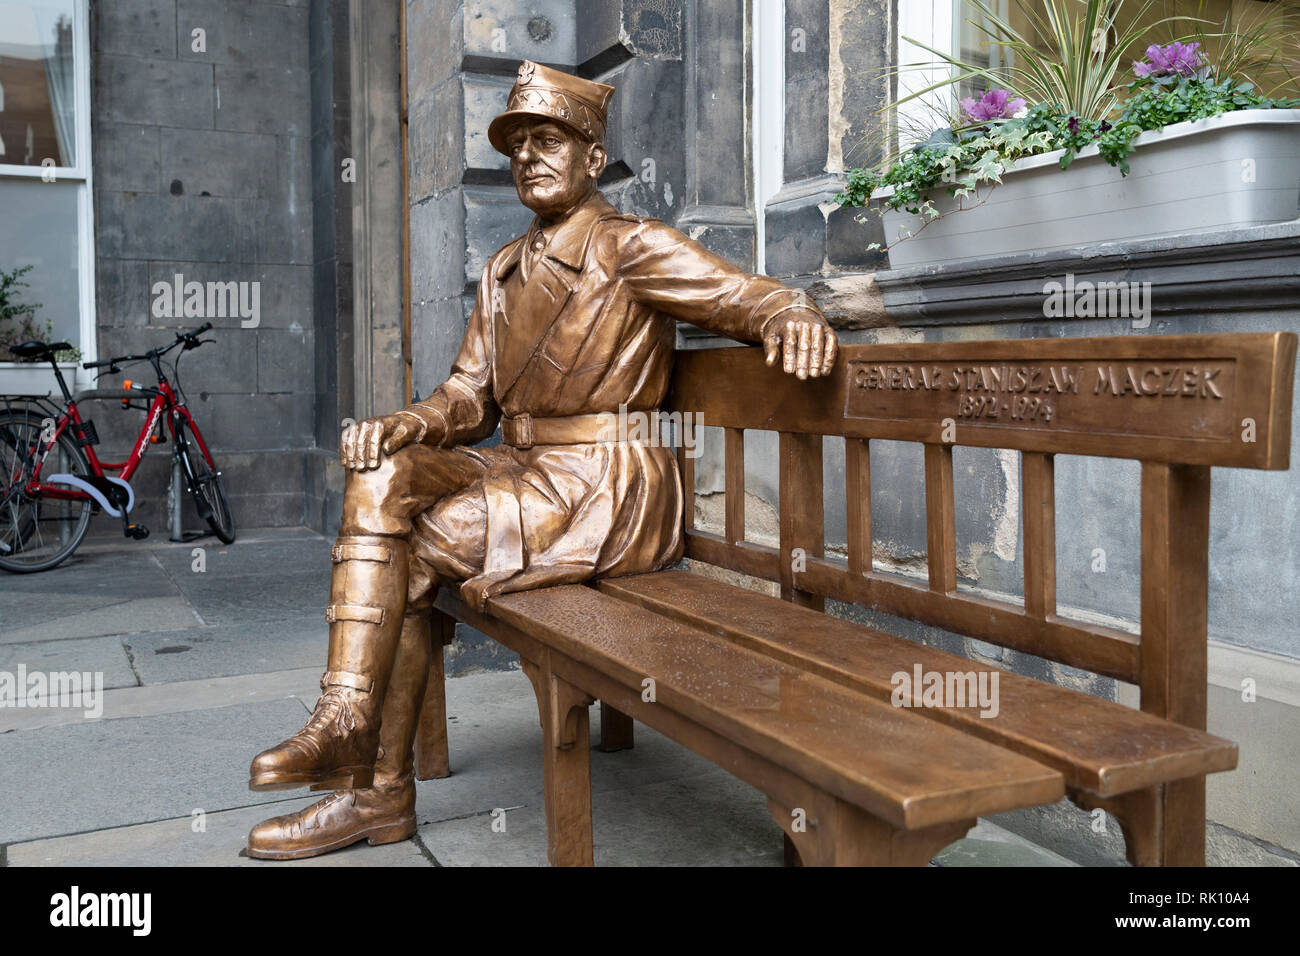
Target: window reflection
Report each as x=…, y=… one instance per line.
x=37, y=84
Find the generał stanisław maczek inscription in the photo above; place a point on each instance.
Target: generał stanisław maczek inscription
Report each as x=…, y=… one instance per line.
x=1157, y=398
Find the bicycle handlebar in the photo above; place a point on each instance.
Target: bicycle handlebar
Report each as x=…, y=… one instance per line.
x=190, y=340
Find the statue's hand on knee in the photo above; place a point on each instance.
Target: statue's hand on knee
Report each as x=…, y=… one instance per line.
x=363, y=442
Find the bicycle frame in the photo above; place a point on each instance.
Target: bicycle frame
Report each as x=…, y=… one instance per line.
x=164, y=401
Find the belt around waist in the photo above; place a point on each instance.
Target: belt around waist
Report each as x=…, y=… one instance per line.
x=525, y=431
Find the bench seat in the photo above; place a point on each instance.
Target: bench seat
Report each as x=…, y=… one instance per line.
x=1098, y=745
x=785, y=722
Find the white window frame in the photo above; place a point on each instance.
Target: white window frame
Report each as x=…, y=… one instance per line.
x=767, y=131
x=938, y=24
x=935, y=23
x=82, y=174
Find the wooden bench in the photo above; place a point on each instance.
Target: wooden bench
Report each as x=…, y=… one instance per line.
x=798, y=702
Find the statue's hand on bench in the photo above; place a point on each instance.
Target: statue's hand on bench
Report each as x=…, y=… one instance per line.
x=804, y=342
x=363, y=443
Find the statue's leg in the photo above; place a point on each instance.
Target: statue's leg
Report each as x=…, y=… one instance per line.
x=378, y=662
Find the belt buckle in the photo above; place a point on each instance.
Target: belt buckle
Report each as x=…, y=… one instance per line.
x=523, y=429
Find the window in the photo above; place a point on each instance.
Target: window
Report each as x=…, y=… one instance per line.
x=973, y=44
x=45, y=164
x=945, y=26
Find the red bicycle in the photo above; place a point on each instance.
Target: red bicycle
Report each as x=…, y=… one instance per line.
x=52, y=482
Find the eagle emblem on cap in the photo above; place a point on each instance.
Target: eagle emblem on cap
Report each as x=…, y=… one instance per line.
x=526, y=70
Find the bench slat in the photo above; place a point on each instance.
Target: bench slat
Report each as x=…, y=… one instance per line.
x=1038, y=484
x=898, y=766
x=1095, y=647
x=1098, y=745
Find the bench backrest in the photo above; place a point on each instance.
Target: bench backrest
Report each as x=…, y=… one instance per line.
x=1178, y=404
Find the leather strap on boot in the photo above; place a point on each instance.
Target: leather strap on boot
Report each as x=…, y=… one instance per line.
x=367, y=600
x=344, y=679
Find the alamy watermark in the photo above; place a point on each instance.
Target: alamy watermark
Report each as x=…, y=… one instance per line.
x=55, y=689
x=1083, y=299
x=923, y=688
x=208, y=300
x=647, y=428
x=133, y=911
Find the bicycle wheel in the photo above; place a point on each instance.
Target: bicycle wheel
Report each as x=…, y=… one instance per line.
x=36, y=532
x=204, y=481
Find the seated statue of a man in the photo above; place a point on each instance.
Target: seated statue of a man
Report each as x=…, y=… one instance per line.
x=574, y=321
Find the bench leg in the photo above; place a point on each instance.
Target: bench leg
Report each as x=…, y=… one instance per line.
x=566, y=766
x=1138, y=814
x=615, y=729
x=836, y=833
x=1182, y=815
x=432, y=759
x=791, y=852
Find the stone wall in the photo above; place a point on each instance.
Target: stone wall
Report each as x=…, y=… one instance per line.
x=834, y=54
x=202, y=166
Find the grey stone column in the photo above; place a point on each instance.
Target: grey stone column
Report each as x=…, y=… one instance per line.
x=834, y=53
x=719, y=210
x=377, y=205
x=331, y=144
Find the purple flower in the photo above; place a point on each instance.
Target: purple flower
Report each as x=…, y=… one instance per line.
x=1073, y=125
x=1176, y=59
x=995, y=104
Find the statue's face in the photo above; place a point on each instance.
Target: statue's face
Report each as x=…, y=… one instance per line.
x=554, y=168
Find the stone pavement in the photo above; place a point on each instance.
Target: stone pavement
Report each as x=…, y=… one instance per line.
x=203, y=669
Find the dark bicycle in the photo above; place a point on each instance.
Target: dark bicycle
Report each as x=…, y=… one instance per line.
x=52, y=482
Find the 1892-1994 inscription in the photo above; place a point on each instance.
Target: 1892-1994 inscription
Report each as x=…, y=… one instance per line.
x=1170, y=397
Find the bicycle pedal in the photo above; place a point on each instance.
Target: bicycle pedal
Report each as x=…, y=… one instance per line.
x=137, y=531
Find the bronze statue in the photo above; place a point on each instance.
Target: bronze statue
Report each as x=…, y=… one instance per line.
x=573, y=321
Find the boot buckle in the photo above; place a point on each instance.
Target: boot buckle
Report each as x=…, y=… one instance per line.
x=363, y=613
x=378, y=553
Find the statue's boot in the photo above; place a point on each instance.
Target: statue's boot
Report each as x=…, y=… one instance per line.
x=338, y=746
x=385, y=812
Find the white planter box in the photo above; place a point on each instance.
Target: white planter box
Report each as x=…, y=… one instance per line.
x=1239, y=169
x=35, y=378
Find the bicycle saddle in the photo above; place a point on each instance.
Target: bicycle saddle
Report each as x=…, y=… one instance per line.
x=39, y=350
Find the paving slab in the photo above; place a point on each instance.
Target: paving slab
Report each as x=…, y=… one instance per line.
x=127, y=572
x=250, y=599
x=107, y=773
x=215, y=839
x=23, y=609
x=711, y=819
x=104, y=655
x=261, y=557
x=94, y=618
x=230, y=649
x=301, y=685
x=990, y=845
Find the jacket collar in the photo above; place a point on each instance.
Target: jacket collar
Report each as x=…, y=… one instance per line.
x=569, y=240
